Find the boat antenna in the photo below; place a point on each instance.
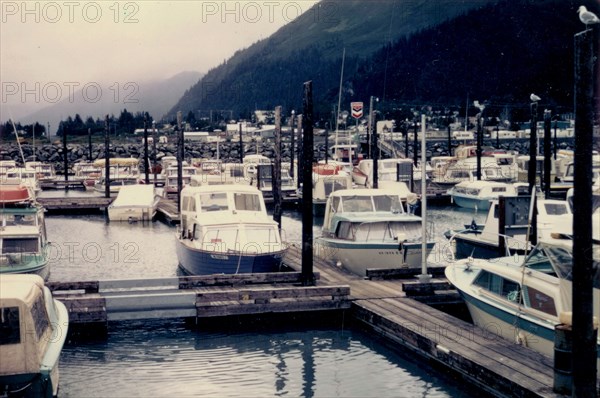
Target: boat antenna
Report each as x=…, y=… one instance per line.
x=18, y=142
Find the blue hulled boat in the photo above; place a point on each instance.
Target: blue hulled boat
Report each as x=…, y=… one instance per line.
x=225, y=229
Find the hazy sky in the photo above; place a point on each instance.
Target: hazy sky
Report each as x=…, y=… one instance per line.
x=46, y=45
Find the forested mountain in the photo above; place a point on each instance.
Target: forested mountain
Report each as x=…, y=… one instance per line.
x=271, y=71
x=404, y=52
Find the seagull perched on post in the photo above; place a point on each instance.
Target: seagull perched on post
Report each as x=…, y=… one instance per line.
x=587, y=17
x=534, y=98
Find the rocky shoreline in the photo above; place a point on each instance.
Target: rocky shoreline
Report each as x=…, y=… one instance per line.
x=228, y=151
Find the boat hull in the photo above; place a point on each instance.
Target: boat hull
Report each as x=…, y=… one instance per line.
x=358, y=256
x=471, y=202
x=131, y=214
x=38, y=265
x=503, y=324
x=193, y=261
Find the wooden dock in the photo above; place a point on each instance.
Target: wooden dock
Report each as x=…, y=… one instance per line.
x=62, y=185
x=380, y=304
x=85, y=203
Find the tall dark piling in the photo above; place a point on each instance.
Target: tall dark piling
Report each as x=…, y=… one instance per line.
x=241, y=145
x=416, y=143
x=301, y=152
x=292, y=145
x=478, y=151
x=375, y=156
x=89, y=144
x=531, y=171
x=65, y=132
x=179, y=159
x=276, y=174
x=307, y=196
x=584, y=340
x=154, y=138
x=547, y=152
x=106, y=158
x=146, y=161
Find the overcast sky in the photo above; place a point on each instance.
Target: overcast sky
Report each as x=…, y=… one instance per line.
x=68, y=44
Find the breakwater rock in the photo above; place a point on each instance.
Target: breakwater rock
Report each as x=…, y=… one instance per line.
x=228, y=151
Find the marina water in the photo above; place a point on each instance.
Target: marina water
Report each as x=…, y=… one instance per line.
x=167, y=357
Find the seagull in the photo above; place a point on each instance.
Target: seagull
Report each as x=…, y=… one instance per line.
x=587, y=17
x=534, y=98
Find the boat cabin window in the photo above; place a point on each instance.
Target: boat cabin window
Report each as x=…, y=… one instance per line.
x=245, y=201
x=367, y=203
x=10, y=330
x=556, y=209
x=538, y=260
x=498, y=285
x=189, y=204
x=19, y=245
x=498, y=189
x=539, y=301
x=40, y=317
x=459, y=174
x=345, y=230
x=213, y=201
x=332, y=185
x=357, y=204
x=335, y=204
x=504, y=161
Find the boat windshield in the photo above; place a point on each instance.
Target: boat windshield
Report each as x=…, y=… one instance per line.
x=20, y=245
x=213, y=201
x=246, y=201
x=364, y=203
x=558, y=261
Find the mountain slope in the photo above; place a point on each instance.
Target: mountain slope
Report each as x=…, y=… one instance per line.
x=153, y=97
x=271, y=71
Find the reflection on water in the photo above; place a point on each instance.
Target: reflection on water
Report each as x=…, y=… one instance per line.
x=168, y=359
x=165, y=358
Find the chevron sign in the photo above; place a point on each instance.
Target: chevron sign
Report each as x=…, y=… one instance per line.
x=357, y=109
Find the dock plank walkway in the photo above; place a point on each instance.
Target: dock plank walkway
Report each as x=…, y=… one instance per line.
x=79, y=203
x=494, y=363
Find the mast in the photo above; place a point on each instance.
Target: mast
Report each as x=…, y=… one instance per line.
x=337, y=116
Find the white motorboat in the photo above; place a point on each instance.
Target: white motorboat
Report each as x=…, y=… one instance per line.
x=478, y=194
x=34, y=329
x=521, y=299
x=134, y=203
x=369, y=228
x=225, y=229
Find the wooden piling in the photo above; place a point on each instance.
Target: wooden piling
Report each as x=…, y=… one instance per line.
x=241, y=145
x=584, y=340
x=146, y=161
x=276, y=174
x=179, y=159
x=106, y=158
x=307, y=196
x=531, y=172
x=65, y=153
x=547, y=154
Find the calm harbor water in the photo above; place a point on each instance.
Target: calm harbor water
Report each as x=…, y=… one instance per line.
x=160, y=358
